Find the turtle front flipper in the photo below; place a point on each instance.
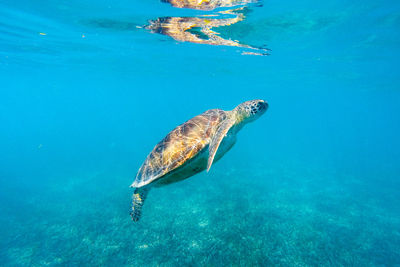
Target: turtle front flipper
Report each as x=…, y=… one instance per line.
x=138, y=198
x=216, y=140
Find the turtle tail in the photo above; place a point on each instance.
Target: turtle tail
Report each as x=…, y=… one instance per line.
x=138, y=198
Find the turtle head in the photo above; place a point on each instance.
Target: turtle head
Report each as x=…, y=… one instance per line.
x=250, y=110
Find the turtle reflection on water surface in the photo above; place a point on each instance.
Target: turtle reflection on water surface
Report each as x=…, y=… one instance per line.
x=199, y=30
x=207, y=4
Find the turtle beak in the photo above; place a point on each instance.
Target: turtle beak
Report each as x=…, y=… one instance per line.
x=262, y=106
x=265, y=104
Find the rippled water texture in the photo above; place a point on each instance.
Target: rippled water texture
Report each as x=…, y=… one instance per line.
x=88, y=88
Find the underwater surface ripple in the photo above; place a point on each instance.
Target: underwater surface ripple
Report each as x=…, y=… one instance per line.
x=89, y=87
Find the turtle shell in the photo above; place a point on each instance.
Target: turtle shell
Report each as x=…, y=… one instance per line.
x=179, y=146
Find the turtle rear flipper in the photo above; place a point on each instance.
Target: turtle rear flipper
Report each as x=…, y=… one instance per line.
x=138, y=198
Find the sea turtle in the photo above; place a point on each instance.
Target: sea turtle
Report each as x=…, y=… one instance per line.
x=191, y=148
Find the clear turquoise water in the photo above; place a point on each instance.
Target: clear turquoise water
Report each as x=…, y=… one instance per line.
x=314, y=182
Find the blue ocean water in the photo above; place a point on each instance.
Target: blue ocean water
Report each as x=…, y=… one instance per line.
x=89, y=87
